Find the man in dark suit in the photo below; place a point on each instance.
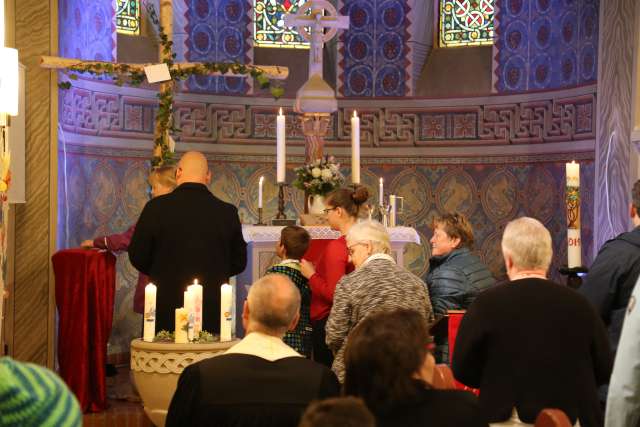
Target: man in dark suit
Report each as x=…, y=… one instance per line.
x=532, y=344
x=261, y=381
x=185, y=235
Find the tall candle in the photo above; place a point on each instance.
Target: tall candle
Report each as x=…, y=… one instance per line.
x=355, y=148
x=182, y=325
x=381, y=191
x=260, y=184
x=189, y=306
x=574, y=244
x=392, y=210
x=196, y=291
x=226, y=313
x=280, y=148
x=149, y=329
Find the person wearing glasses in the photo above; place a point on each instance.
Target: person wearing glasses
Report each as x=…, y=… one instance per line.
x=377, y=284
x=456, y=276
x=162, y=181
x=343, y=208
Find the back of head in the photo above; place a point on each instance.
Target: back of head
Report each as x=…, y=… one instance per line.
x=193, y=167
x=163, y=175
x=337, y=412
x=383, y=353
x=274, y=303
x=635, y=195
x=456, y=225
x=349, y=199
x=528, y=242
x=370, y=231
x=295, y=240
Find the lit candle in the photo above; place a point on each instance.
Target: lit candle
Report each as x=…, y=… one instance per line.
x=355, y=148
x=150, y=292
x=280, y=148
x=574, y=244
x=196, y=291
x=226, y=312
x=381, y=190
x=260, y=184
x=182, y=326
x=189, y=306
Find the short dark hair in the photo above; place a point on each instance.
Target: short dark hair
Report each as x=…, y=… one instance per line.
x=295, y=240
x=337, y=412
x=455, y=225
x=383, y=353
x=635, y=195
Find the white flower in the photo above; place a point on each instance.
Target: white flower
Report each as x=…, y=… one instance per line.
x=326, y=174
x=316, y=172
x=333, y=168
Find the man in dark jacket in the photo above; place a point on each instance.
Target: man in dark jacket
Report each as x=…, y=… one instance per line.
x=185, y=235
x=456, y=276
x=614, y=273
x=532, y=344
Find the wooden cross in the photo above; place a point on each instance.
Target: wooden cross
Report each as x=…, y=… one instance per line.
x=163, y=148
x=317, y=21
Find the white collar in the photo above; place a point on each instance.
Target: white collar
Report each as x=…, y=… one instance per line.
x=264, y=346
x=379, y=256
x=289, y=261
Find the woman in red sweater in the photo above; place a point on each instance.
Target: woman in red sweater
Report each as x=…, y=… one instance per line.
x=343, y=207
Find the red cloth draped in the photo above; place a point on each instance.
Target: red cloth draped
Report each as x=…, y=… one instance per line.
x=455, y=318
x=85, y=289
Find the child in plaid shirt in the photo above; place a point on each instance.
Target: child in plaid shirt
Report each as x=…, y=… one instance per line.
x=292, y=246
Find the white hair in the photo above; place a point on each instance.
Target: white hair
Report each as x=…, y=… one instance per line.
x=373, y=232
x=528, y=242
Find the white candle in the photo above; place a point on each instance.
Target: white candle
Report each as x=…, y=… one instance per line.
x=381, y=190
x=392, y=214
x=355, y=148
x=181, y=333
x=260, y=184
x=196, y=291
x=150, y=292
x=280, y=148
x=574, y=243
x=226, y=312
x=189, y=306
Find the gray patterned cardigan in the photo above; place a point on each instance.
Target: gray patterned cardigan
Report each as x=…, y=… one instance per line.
x=378, y=284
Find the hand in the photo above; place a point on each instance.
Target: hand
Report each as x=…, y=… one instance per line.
x=87, y=244
x=307, y=269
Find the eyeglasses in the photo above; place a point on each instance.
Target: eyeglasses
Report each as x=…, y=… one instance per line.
x=327, y=210
x=350, y=248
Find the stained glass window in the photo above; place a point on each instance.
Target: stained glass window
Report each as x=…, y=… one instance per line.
x=128, y=16
x=268, y=24
x=466, y=22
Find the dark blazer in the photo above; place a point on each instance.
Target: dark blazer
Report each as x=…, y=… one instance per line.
x=184, y=235
x=240, y=390
x=533, y=344
x=435, y=408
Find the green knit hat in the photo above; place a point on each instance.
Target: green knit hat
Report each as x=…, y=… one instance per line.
x=31, y=395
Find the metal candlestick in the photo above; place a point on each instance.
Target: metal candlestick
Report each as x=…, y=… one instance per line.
x=259, y=218
x=281, y=214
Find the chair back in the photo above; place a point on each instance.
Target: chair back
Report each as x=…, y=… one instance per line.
x=552, y=418
x=443, y=378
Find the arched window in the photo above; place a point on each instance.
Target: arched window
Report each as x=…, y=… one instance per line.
x=268, y=24
x=466, y=22
x=128, y=16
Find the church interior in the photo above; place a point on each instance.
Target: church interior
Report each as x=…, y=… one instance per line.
x=467, y=106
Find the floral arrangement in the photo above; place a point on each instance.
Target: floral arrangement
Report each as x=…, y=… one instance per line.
x=203, y=338
x=319, y=177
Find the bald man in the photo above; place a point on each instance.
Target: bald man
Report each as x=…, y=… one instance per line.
x=185, y=235
x=261, y=381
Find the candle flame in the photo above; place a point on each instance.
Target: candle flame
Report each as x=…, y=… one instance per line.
x=573, y=162
x=381, y=180
x=261, y=179
x=355, y=113
x=195, y=281
x=280, y=112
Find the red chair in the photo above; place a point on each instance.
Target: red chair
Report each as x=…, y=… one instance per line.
x=443, y=378
x=552, y=418
x=455, y=318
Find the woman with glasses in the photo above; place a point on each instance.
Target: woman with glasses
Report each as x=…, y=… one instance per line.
x=343, y=208
x=162, y=181
x=390, y=368
x=377, y=283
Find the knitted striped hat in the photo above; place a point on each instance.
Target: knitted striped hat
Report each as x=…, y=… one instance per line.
x=31, y=395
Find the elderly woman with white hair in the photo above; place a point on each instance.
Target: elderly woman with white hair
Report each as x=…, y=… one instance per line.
x=377, y=283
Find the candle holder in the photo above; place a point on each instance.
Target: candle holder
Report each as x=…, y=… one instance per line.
x=574, y=275
x=259, y=218
x=281, y=217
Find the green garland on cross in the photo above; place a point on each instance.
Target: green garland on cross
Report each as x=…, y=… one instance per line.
x=134, y=76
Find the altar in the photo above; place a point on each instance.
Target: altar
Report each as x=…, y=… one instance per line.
x=261, y=254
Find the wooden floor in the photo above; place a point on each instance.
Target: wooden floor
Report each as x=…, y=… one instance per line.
x=125, y=407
